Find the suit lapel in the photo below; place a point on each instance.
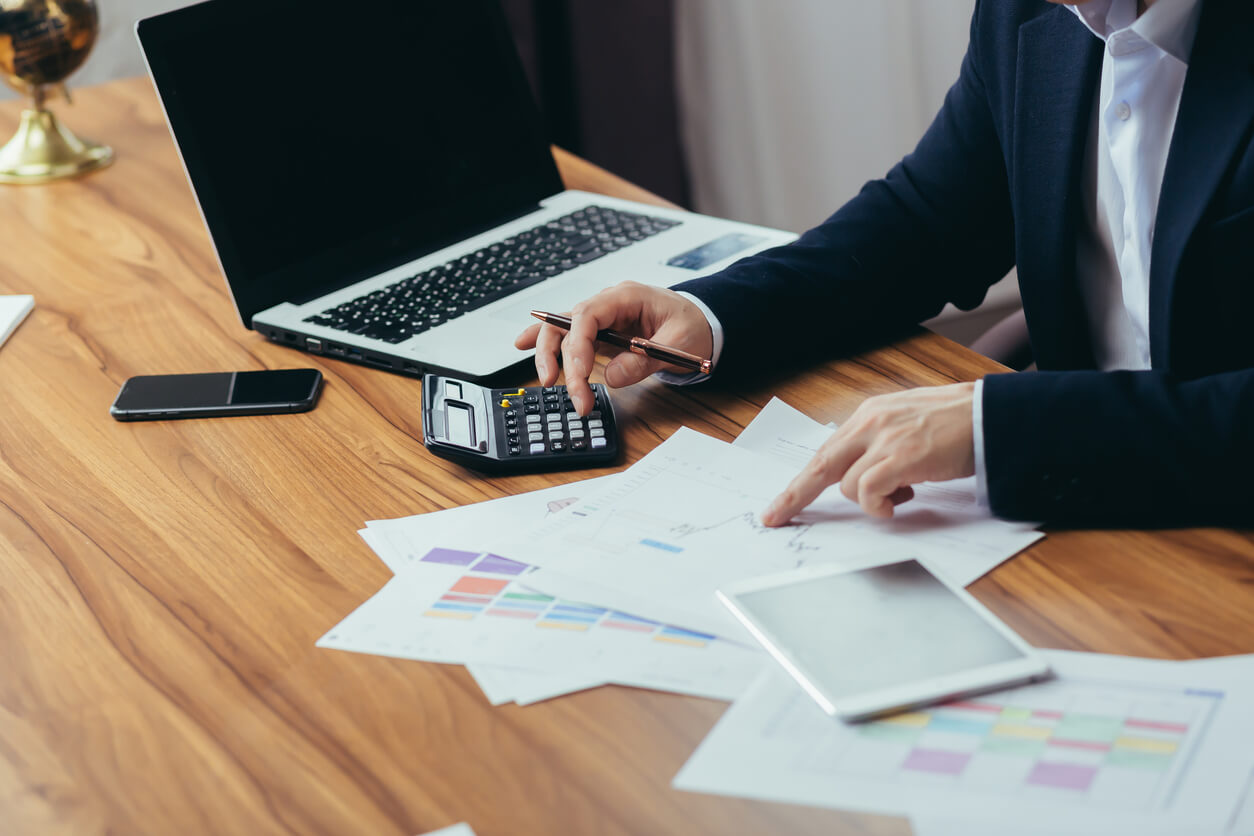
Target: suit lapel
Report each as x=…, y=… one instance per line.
x=1216, y=108
x=1059, y=66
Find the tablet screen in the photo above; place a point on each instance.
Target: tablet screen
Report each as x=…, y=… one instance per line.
x=876, y=628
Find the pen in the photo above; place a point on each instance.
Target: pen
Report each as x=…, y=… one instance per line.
x=638, y=345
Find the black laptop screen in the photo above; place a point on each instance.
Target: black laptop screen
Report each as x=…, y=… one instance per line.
x=328, y=141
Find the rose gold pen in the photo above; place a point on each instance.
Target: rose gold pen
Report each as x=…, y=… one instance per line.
x=638, y=345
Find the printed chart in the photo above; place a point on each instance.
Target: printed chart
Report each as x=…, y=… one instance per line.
x=1110, y=745
x=1100, y=746
x=465, y=607
x=477, y=593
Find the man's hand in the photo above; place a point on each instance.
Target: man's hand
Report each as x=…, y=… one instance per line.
x=889, y=443
x=634, y=309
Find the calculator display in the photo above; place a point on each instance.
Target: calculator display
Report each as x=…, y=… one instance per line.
x=460, y=431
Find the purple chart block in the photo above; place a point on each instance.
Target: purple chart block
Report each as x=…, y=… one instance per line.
x=450, y=556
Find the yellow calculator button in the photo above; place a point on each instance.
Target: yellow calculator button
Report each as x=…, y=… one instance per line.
x=505, y=402
x=517, y=394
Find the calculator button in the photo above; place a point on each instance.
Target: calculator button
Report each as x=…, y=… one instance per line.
x=553, y=418
x=594, y=414
x=531, y=399
x=511, y=413
x=598, y=443
x=552, y=406
x=557, y=446
x=554, y=435
x=579, y=444
x=594, y=423
x=550, y=390
x=506, y=402
x=576, y=432
x=514, y=449
x=596, y=432
x=536, y=447
x=533, y=419
x=533, y=409
x=515, y=394
x=536, y=436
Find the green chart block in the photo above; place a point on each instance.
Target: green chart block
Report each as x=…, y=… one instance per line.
x=1095, y=728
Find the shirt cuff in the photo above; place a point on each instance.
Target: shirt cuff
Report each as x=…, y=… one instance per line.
x=977, y=439
x=716, y=330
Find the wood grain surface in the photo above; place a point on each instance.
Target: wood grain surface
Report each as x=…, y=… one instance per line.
x=163, y=583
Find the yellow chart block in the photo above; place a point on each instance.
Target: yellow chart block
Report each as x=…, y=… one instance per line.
x=673, y=640
x=1145, y=744
x=1022, y=730
x=460, y=616
x=914, y=719
x=560, y=625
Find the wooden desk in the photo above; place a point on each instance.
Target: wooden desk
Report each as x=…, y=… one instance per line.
x=163, y=583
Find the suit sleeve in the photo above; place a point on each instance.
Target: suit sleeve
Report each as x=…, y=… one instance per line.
x=1141, y=449
x=938, y=228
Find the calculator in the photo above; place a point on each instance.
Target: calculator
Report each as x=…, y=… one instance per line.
x=515, y=430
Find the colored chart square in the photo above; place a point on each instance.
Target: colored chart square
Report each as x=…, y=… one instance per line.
x=497, y=565
x=959, y=725
x=937, y=761
x=1016, y=746
x=1065, y=776
x=1093, y=727
x=524, y=614
x=479, y=586
x=450, y=556
x=634, y=627
x=658, y=544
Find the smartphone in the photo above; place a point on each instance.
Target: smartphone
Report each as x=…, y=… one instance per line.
x=167, y=396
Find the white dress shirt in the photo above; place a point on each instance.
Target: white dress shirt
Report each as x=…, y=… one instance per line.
x=1143, y=69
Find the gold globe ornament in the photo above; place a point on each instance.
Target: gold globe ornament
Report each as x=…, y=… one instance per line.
x=41, y=43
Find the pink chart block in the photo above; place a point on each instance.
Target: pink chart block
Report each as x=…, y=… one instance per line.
x=1066, y=776
x=937, y=760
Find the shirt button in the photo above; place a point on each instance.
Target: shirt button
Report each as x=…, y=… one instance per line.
x=1123, y=111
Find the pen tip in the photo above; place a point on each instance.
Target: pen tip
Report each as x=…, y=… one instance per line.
x=538, y=314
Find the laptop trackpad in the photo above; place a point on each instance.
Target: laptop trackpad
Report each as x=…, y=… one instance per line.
x=552, y=299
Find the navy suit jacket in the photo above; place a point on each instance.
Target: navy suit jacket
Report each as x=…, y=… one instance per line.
x=996, y=182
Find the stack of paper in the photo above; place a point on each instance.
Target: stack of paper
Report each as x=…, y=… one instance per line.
x=611, y=580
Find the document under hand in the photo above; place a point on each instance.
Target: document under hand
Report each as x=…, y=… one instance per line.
x=684, y=520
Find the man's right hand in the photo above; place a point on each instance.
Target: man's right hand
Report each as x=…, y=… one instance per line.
x=632, y=308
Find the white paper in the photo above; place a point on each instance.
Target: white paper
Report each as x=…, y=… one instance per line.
x=13, y=309
x=1112, y=745
x=684, y=521
x=463, y=606
x=502, y=684
x=460, y=829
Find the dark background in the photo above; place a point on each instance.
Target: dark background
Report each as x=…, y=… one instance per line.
x=604, y=77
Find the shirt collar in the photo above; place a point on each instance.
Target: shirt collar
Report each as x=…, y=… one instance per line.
x=1168, y=24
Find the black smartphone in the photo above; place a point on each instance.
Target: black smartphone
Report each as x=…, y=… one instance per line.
x=166, y=396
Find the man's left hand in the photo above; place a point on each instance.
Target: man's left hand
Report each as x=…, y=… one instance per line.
x=889, y=443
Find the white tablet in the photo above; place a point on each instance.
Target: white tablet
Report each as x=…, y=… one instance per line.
x=873, y=641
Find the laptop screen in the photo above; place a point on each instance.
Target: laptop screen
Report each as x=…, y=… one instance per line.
x=327, y=142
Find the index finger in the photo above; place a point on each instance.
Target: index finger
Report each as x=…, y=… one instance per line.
x=579, y=347
x=827, y=467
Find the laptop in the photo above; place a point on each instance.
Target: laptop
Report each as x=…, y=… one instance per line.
x=378, y=187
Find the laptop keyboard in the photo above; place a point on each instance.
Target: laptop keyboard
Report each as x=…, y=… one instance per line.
x=399, y=311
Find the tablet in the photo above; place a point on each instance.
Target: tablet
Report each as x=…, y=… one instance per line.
x=874, y=641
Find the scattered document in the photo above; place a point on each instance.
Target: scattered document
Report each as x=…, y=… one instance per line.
x=463, y=606
x=684, y=521
x=1112, y=745
x=13, y=309
x=461, y=829
x=502, y=684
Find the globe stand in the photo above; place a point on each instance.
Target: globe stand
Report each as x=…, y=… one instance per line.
x=43, y=149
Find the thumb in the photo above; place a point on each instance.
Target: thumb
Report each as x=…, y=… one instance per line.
x=628, y=368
